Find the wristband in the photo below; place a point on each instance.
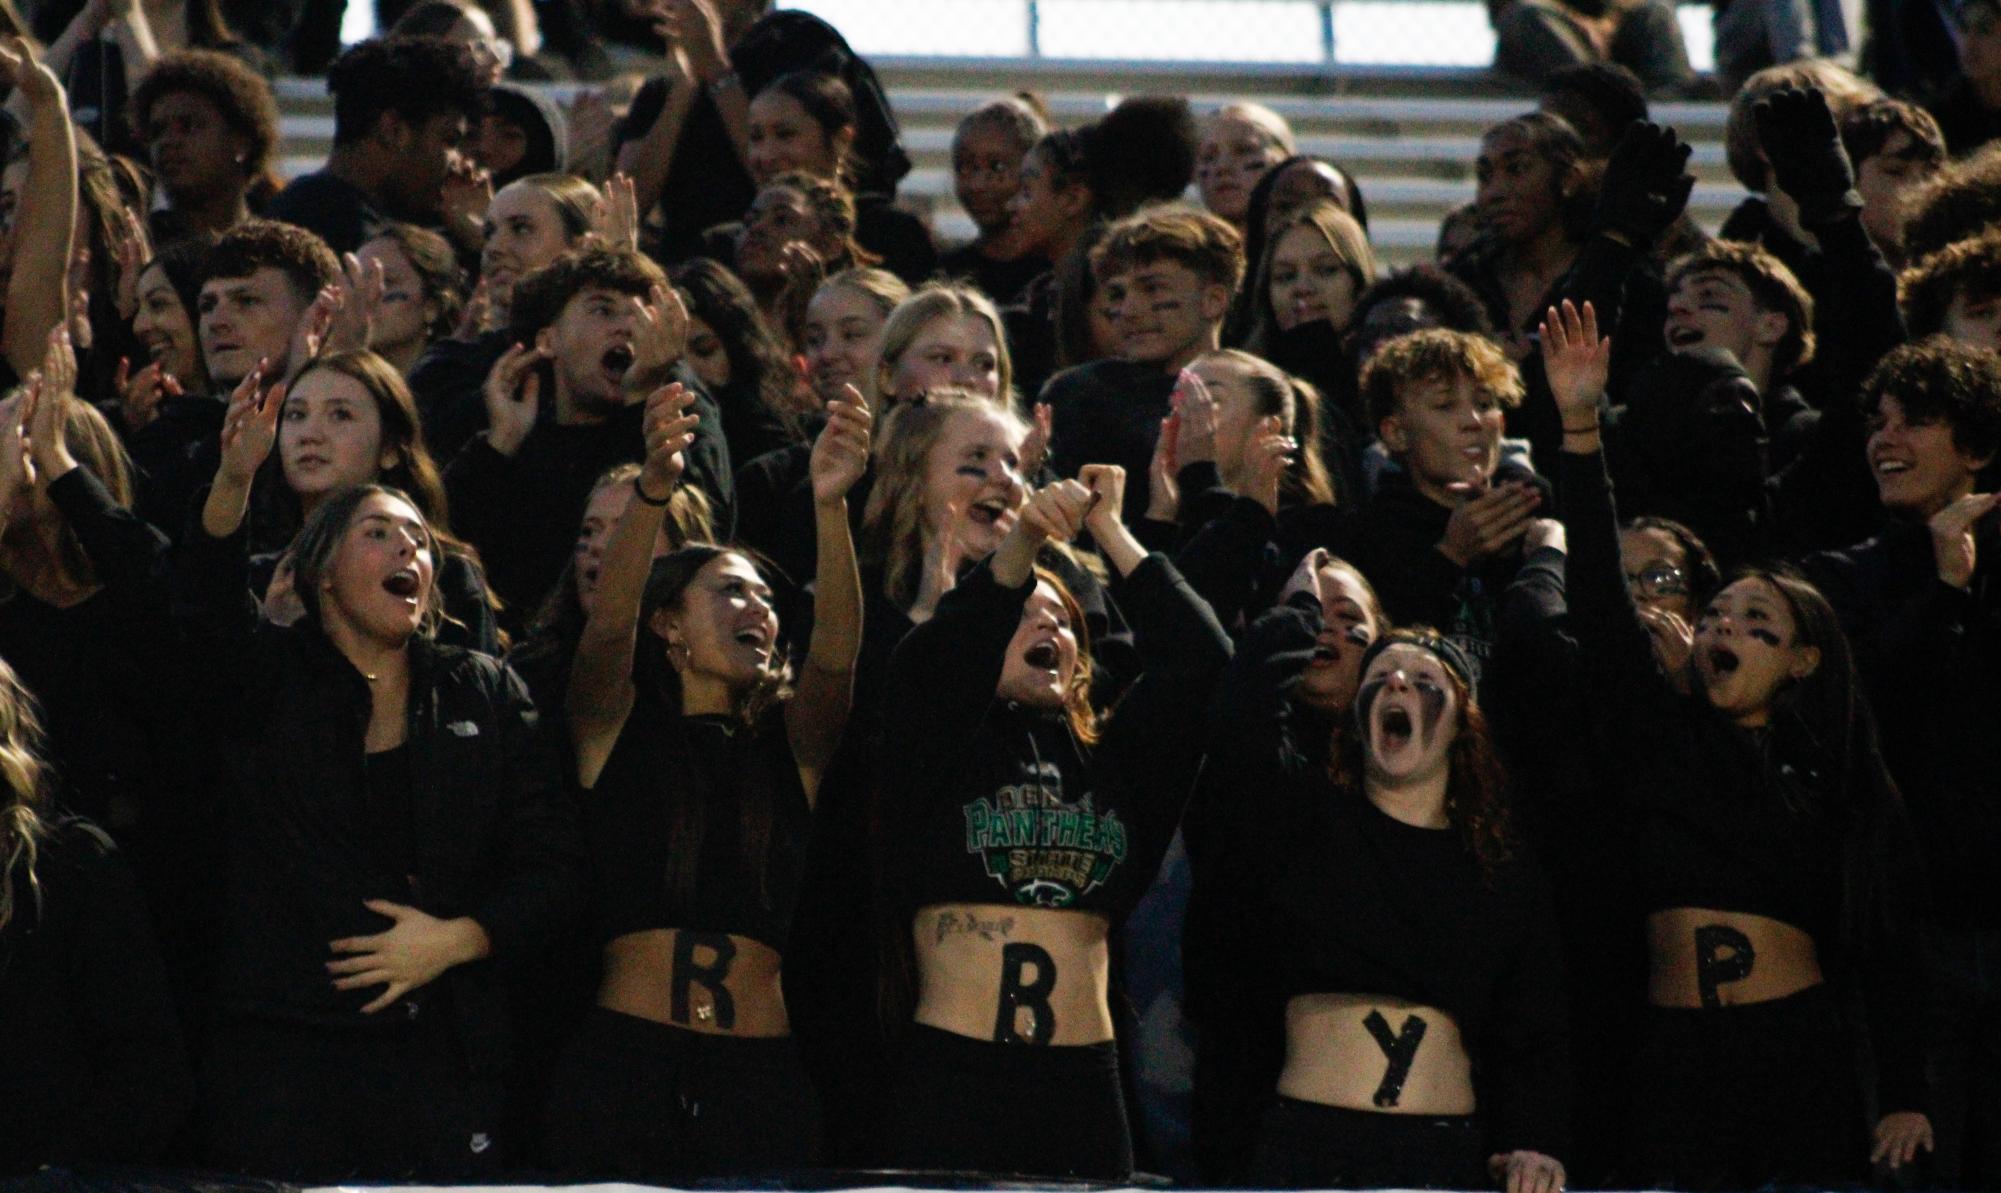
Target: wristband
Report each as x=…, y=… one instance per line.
x=639, y=491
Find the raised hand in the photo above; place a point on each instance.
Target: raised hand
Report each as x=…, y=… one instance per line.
x=1163, y=491
x=355, y=298
x=463, y=200
x=944, y=553
x=25, y=73
x=1107, y=485
x=659, y=339
x=17, y=465
x=1953, y=537
x=841, y=453
x=1577, y=363
x=479, y=311
x=1272, y=453
x=696, y=27
x=1803, y=147
x=1646, y=184
x=130, y=249
x=670, y=432
x=1035, y=445
x=140, y=395
x=47, y=426
x=1490, y=523
x=512, y=389
x=618, y=213
x=1056, y=513
x=1197, y=430
x=249, y=428
x=315, y=324
x=1673, y=640
x=1305, y=579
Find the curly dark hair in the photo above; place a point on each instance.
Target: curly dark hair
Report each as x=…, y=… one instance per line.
x=253, y=244
x=1943, y=380
x=1456, y=304
x=1971, y=267
x=416, y=77
x=1476, y=796
x=758, y=358
x=1962, y=201
x=239, y=93
x=540, y=297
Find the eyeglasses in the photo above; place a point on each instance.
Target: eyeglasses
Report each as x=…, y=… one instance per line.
x=1657, y=580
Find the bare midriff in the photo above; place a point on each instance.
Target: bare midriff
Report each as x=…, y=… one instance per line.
x=709, y=982
x=1384, y=1055
x=1025, y=975
x=1698, y=957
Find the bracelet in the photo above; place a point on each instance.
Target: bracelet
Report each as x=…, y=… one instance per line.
x=1567, y=429
x=639, y=491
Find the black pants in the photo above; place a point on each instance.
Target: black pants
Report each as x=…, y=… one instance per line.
x=318, y=1105
x=640, y=1101
x=965, y=1105
x=1744, y=1096
x=1965, y=980
x=1308, y=1146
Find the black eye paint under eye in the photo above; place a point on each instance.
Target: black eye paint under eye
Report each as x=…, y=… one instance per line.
x=1359, y=635
x=1766, y=636
x=1433, y=710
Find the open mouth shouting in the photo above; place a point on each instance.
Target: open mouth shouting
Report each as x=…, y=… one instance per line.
x=617, y=360
x=404, y=584
x=1722, y=661
x=1685, y=335
x=1043, y=656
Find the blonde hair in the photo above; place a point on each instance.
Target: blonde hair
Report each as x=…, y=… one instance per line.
x=880, y=286
x=23, y=793
x=935, y=300
x=1270, y=123
x=892, y=534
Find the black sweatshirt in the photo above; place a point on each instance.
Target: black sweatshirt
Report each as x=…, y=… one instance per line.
x=495, y=836
x=93, y=1069
x=1714, y=805
x=1362, y=903
x=990, y=802
x=1930, y=655
x=521, y=511
x=1109, y=412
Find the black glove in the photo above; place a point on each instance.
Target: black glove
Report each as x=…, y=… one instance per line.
x=1804, y=149
x=1646, y=184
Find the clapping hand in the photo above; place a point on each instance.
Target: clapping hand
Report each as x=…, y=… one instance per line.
x=841, y=453
x=512, y=389
x=670, y=431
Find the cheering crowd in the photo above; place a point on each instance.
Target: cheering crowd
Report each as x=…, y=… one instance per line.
x=579, y=643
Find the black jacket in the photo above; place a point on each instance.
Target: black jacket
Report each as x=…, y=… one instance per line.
x=1109, y=412
x=494, y=836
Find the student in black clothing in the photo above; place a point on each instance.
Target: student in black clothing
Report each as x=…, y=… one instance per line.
x=402, y=108
x=1895, y=147
x=530, y=223
x=1773, y=856
x=258, y=286
x=1531, y=203
x=95, y=1071
x=806, y=121
x=1425, y=1044
x=349, y=420
x=166, y=295
x=1303, y=291
x=1919, y=601
x=545, y=653
x=398, y=838
x=1168, y=274
x=1239, y=1009
x=1023, y=825
x=799, y=228
x=987, y=152
x=564, y=404
x=741, y=362
x=1956, y=292
x=1442, y=538
x=210, y=126
x=701, y=763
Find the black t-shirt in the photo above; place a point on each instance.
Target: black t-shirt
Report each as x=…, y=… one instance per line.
x=341, y=213
x=1002, y=281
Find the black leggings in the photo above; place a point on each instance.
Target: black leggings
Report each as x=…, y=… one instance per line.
x=323, y=1105
x=1744, y=1096
x=636, y=1100
x=963, y=1105
x=1305, y=1145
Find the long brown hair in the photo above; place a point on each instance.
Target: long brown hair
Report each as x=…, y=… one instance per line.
x=1298, y=406
x=1476, y=793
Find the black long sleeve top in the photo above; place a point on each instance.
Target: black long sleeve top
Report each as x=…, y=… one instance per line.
x=100, y=668
x=492, y=834
x=1930, y=656
x=521, y=511
x=1732, y=820
x=990, y=802
x=93, y=1069
x=1362, y=903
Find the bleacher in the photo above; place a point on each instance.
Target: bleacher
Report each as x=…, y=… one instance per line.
x=1410, y=136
